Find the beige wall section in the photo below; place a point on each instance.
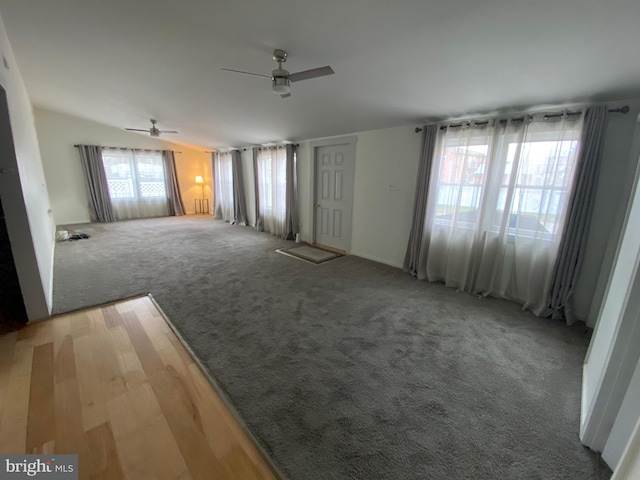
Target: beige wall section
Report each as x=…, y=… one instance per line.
x=24, y=192
x=59, y=132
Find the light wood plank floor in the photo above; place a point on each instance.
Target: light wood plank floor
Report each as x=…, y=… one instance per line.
x=115, y=385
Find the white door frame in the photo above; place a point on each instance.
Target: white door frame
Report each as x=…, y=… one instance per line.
x=350, y=141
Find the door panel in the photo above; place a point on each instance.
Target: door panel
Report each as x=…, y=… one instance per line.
x=335, y=167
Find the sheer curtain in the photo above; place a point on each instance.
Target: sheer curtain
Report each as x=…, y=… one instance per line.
x=271, y=173
x=136, y=183
x=498, y=198
x=223, y=178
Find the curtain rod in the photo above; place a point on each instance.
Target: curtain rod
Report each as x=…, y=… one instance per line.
x=134, y=149
x=259, y=147
x=624, y=109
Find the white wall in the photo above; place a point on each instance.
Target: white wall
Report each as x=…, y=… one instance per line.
x=627, y=418
x=24, y=192
x=59, y=132
x=629, y=466
x=381, y=216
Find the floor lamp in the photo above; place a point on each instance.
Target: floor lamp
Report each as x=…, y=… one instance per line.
x=200, y=181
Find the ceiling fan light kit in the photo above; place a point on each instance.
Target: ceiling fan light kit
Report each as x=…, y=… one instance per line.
x=281, y=84
x=281, y=79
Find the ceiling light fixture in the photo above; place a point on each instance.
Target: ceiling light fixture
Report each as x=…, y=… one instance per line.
x=280, y=84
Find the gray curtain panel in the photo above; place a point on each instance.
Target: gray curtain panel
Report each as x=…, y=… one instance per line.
x=259, y=220
x=414, y=247
x=239, y=202
x=174, y=197
x=291, y=215
x=217, y=212
x=576, y=229
x=96, y=181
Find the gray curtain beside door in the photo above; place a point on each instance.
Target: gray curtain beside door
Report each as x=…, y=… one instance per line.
x=174, y=197
x=96, y=180
x=414, y=247
x=239, y=202
x=291, y=216
x=576, y=229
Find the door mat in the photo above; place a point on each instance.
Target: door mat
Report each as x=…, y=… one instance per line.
x=309, y=254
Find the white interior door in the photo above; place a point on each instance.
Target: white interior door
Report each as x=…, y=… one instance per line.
x=334, y=176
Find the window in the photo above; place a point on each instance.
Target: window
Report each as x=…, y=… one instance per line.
x=272, y=188
x=132, y=174
x=223, y=177
x=541, y=187
x=498, y=199
x=526, y=187
x=461, y=183
x=136, y=182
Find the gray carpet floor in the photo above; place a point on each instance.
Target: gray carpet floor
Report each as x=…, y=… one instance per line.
x=350, y=369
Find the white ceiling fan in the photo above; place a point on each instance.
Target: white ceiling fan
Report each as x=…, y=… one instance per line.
x=281, y=79
x=153, y=131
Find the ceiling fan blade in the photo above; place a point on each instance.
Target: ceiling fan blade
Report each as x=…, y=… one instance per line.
x=246, y=73
x=137, y=130
x=167, y=131
x=313, y=73
x=285, y=95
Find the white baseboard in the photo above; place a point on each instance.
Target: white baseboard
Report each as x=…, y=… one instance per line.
x=376, y=259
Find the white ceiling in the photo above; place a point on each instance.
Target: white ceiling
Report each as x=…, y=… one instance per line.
x=399, y=62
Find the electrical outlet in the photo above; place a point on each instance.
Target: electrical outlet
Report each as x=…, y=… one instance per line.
x=393, y=187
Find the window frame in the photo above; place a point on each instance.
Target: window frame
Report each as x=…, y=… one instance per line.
x=135, y=177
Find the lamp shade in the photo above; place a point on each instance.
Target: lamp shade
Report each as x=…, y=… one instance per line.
x=199, y=179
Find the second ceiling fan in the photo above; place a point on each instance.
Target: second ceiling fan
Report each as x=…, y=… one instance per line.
x=281, y=79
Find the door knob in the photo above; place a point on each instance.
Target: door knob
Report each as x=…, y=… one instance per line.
x=317, y=205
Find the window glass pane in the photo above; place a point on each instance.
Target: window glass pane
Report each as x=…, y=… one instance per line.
x=542, y=184
x=119, y=172
x=150, y=174
x=462, y=176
